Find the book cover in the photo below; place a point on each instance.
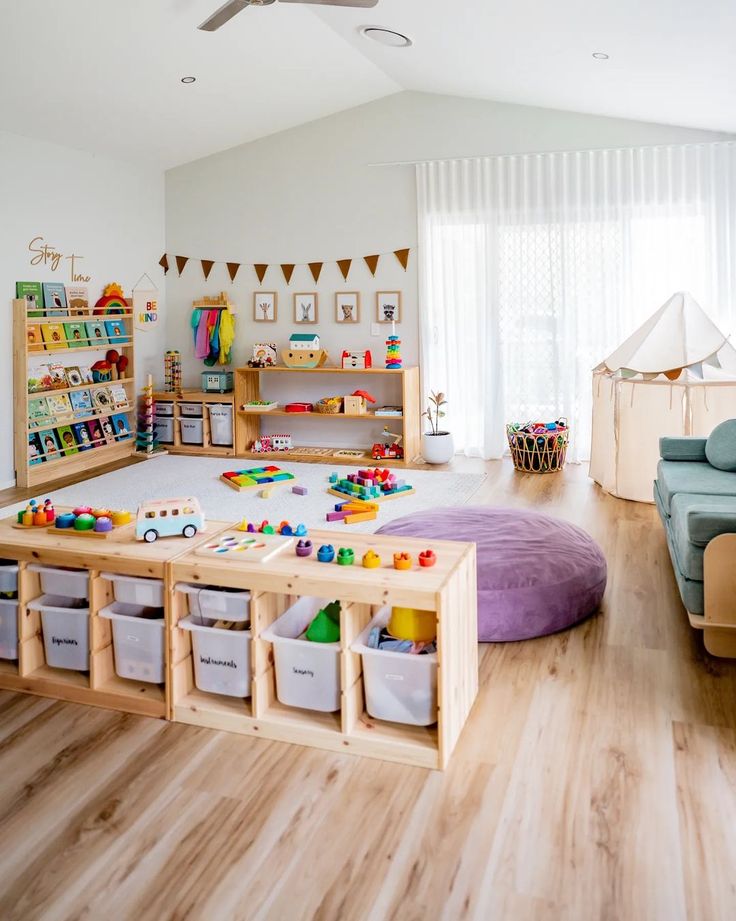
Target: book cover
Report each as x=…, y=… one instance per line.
x=38, y=411
x=59, y=405
x=49, y=444
x=35, y=451
x=115, y=330
x=53, y=335
x=34, y=337
x=121, y=426
x=95, y=433
x=40, y=379
x=86, y=373
x=96, y=333
x=57, y=374
x=388, y=411
x=32, y=294
x=118, y=394
x=107, y=429
x=74, y=376
x=81, y=401
x=102, y=400
x=77, y=300
x=67, y=441
x=54, y=299
x=81, y=435
x=75, y=334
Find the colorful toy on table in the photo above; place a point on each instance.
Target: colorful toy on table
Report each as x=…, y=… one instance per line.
x=35, y=515
x=325, y=626
x=371, y=560
x=270, y=444
x=326, y=553
x=182, y=517
x=402, y=560
x=87, y=520
x=248, y=548
x=369, y=486
x=304, y=548
x=351, y=512
x=241, y=480
x=427, y=558
x=345, y=556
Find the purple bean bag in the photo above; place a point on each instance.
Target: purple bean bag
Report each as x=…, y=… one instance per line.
x=536, y=575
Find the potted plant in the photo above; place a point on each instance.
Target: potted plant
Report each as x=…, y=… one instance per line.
x=437, y=444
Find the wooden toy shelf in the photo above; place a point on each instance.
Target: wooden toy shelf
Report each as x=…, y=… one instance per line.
x=248, y=386
x=196, y=396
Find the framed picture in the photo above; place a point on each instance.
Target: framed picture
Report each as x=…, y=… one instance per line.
x=305, y=307
x=265, y=306
x=388, y=306
x=347, y=307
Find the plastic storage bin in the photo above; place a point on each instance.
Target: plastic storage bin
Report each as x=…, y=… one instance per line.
x=210, y=603
x=164, y=409
x=132, y=590
x=221, y=658
x=8, y=578
x=164, y=429
x=221, y=424
x=191, y=410
x=69, y=583
x=8, y=629
x=192, y=431
x=399, y=687
x=307, y=674
x=65, y=628
x=138, y=641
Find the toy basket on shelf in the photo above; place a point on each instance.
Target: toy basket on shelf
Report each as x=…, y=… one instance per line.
x=538, y=447
x=329, y=405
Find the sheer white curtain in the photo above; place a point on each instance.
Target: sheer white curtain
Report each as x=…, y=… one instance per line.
x=534, y=267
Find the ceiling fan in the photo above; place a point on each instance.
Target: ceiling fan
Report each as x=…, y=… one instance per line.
x=233, y=7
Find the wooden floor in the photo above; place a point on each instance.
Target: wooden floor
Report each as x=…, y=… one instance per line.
x=596, y=779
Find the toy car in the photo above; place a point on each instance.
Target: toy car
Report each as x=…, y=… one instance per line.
x=387, y=452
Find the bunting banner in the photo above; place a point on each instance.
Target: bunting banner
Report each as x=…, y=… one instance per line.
x=164, y=263
x=181, y=261
x=232, y=269
x=207, y=267
x=344, y=266
x=403, y=256
x=288, y=269
x=372, y=263
x=316, y=269
x=261, y=269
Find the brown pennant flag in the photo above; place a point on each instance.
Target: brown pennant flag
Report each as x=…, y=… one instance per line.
x=232, y=269
x=403, y=256
x=372, y=263
x=315, y=268
x=288, y=269
x=261, y=269
x=344, y=266
x=207, y=267
x=181, y=261
x=164, y=263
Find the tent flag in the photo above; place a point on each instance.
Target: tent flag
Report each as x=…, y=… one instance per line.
x=372, y=263
x=232, y=269
x=181, y=261
x=403, y=256
x=315, y=268
x=207, y=267
x=164, y=263
x=288, y=269
x=261, y=269
x=344, y=266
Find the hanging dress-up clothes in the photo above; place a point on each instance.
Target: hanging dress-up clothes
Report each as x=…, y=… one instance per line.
x=214, y=332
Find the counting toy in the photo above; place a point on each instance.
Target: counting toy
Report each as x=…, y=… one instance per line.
x=241, y=480
x=369, y=486
x=304, y=548
x=353, y=512
x=82, y=521
x=326, y=553
x=345, y=556
x=427, y=558
x=371, y=560
x=402, y=560
x=248, y=548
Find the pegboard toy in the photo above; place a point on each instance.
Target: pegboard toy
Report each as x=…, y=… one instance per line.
x=370, y=486
x=427, y=558
x=402, y=560
x=241, y=480
x=83, y=521
x=304, y=548
x=249, y=548
x=326, y=553
x=371, y=560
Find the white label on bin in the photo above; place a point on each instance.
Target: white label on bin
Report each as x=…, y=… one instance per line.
x=394, y=677
x=63, y=641
x=208, y=660
x=307, y=672
x=132, y=639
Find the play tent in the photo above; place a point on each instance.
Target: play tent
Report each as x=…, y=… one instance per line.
x=676, y=375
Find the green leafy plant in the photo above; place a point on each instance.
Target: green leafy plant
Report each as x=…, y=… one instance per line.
x=434, y=412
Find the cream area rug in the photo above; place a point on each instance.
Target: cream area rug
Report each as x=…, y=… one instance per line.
x=171, y=476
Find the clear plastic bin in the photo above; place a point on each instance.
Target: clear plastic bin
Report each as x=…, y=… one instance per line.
x=133, y=590
x=221, y=658
x=8, y=578
x=163, y=409
x=65, y=631
x=221, y=424
x=138, y=641
x=192, y=410
x=71, y=583
x=206, y=602
x=307, y=674
x=8, y=629
x=192, y=431
x=164, y=429
x=399, y=687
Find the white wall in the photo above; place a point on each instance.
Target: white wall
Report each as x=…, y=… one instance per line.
x=109, y=212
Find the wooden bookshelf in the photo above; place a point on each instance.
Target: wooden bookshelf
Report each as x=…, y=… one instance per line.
x=24, y=356
x=207, y=448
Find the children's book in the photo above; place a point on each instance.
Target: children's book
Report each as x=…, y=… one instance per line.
x=95, y=433
x=102, y=400
x=86, y=373
x=34, y=337
x=118, y=394
x=121, y=426
x=35, y=451
x=38, y=411
x=57, y=373
x=81, y=434
x=81, y=401
x=77, y=300
x=96, y=333
x=76, y=335
x=54, y=299
x=32, y=294
x=59, y=405
x=74, y=376
x=39, y=378
x=107, y=429
x=115, y=330
x=49, y=444
x=67, y=441
x=53, y=335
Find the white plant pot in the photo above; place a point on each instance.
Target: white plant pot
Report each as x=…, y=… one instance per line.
x=438, y=449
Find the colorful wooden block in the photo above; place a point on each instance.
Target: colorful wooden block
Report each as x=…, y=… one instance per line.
x=256, y=476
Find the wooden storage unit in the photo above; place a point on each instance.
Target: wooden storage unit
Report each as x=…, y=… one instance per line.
x=206, y=399
x=448, y=588
x=51, y=470
x=248, y=423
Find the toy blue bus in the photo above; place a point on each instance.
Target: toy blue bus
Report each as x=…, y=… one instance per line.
x=168, y=518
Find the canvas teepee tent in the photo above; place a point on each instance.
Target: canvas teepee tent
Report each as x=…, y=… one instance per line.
x=676, y=375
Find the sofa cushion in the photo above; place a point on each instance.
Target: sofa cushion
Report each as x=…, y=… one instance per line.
x=683, y=448
x=674, y=477
x=720, y=448
x=699, y=519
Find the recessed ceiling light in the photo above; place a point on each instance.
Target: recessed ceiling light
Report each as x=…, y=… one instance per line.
x=188, y=79
x=385, y=36
x=600, y=55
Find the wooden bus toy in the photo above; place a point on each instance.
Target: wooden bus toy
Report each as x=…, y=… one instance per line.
x=168, y=518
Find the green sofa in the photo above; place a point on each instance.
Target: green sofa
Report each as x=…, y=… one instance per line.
x=696, y=501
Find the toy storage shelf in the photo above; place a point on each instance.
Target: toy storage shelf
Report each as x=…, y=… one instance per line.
x=196, y=396
x=48, y=471
x=248, y=383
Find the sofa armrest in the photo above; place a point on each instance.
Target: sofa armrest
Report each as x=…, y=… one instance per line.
x=683, y=448
x=704, y=523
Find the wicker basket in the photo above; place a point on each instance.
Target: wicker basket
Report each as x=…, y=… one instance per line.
x=540, y=452
x=329, y=406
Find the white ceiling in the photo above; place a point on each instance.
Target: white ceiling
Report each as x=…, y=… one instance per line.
x=104, y=75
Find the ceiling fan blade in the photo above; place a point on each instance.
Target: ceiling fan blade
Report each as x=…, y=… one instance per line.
x=358, y=4
x=223, y=15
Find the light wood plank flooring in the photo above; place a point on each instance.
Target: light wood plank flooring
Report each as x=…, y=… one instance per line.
x=596, y=779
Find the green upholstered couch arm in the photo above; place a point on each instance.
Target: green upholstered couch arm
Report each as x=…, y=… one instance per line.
x=683, y=448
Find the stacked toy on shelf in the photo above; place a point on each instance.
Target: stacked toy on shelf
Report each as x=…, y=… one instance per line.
x=393, y=352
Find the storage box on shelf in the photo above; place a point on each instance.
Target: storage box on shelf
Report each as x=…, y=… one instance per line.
x=248, y=387
x=195, y=422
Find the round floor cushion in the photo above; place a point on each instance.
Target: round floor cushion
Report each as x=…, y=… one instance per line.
x=536, y=574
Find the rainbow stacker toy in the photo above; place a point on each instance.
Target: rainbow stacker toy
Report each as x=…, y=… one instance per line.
x=271, y=475
x=369, y=486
